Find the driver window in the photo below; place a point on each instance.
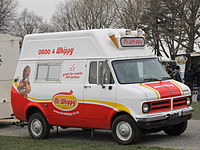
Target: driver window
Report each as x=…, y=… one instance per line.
x=105, y=76
x=93, y=73
x=100, y=73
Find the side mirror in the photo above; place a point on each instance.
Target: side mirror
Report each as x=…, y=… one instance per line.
x=101, y=66
x=104, y=73
x=16, y=80
x=103, y=79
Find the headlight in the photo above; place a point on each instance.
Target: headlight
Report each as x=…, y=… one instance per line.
x=189, y=101
x=146, y=107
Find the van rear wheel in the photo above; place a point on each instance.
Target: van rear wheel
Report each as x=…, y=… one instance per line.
x=176, y=129
x=38, y=126
x=125, y=130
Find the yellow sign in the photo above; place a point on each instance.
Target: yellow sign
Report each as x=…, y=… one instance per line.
x=65, y=101
x=181, y=60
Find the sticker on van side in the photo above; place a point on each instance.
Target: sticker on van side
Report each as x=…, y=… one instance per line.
x=24, y=86
x=65, y=101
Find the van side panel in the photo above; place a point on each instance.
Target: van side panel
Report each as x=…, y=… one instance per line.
x=60, y=99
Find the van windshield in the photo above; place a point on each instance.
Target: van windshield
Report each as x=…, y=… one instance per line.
x=139, y=71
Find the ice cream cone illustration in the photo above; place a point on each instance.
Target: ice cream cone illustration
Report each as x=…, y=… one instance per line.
x=114, y=39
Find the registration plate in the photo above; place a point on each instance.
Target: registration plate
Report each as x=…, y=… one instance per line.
x=175, y=115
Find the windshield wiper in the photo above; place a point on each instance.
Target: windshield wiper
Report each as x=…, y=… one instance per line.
x=151, y=79
x=166, y=78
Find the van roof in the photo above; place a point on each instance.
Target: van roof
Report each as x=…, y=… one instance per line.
x=85, y=44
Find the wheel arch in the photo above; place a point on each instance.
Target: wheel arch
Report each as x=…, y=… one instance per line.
x=32, y=110
x=119, y=114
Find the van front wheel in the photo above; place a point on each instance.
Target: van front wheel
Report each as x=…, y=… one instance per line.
x=38, y=126
x=125, y=130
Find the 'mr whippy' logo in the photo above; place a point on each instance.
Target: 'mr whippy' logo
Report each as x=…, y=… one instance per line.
x=65, y=101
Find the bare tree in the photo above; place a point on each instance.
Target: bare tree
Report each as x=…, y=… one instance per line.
x=27, y=23
x=62, y=18
x=153, y=18
x=172, y=30
x=184, y=24
x=46, y=27
x=84, y=14
x=7, y=13
x=172, y=25
x=129, y=13
x=190, y=13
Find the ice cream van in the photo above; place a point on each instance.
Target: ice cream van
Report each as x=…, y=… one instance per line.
x=97, y=79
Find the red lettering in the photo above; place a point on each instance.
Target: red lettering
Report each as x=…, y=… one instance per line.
x=44, y=51
x=126, y=41
x=63, y=101
x=59, y=50
x=56, y=101
x=70, y=103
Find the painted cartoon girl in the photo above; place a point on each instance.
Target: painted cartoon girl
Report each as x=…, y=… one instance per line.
x=24, y=86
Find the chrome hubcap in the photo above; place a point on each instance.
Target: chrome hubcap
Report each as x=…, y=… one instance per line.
x=36, y=127
x=124, y=131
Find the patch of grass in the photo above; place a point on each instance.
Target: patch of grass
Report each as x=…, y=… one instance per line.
x=196, y=113
x=21, y=143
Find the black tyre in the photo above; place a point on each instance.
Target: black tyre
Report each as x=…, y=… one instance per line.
x=176, y=129
x=63, y=127
x=38, y=126
x=86, y=129
x=125, y=130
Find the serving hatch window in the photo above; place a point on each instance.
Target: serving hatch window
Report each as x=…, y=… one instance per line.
x=48, y=72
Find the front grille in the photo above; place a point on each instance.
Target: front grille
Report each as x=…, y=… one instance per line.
x=159, y=106
x=179, y=103
x=168, y=104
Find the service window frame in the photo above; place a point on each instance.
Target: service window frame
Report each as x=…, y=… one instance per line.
x=48, y=73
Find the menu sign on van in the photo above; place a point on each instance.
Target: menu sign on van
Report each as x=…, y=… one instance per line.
x=132, y=42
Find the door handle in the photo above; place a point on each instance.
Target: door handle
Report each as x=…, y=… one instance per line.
x=87, y=86
x=110, y=87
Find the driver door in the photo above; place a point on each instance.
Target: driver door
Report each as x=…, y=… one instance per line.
x=99, y=94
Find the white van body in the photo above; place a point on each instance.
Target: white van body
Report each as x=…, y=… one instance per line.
x=78, y=79
x=9, y=54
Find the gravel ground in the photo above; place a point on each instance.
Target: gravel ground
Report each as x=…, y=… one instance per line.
x=187, y=141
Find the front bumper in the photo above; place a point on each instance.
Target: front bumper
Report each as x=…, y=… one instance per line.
x=165, y=119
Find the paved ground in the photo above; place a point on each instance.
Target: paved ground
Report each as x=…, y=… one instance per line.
x=188, y=141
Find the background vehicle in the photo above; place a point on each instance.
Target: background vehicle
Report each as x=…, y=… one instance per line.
x=9, y=53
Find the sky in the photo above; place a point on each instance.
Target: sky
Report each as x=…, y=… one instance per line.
x=43, y=8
